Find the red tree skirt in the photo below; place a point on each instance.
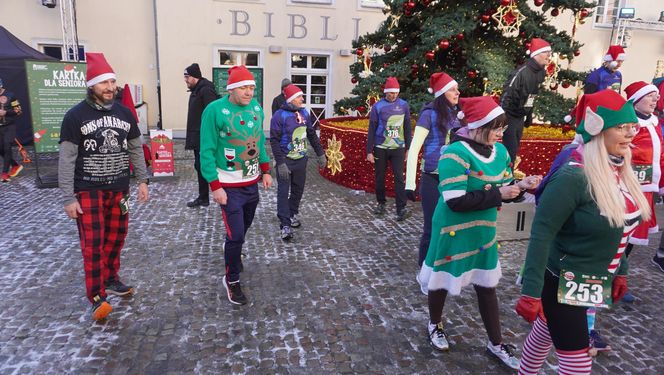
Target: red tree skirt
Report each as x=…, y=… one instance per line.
x=357, y=173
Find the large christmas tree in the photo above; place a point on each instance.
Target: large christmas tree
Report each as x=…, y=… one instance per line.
x=477, y=42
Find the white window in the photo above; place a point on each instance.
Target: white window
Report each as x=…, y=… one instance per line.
x=372, y=3
x=58, y=51
x=606, y=12
x=311, y=73
x=232, y=57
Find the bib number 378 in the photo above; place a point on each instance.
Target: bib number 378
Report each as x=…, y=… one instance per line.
x=580, y=289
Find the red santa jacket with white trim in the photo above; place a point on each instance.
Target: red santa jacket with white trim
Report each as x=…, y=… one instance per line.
x=647, y=154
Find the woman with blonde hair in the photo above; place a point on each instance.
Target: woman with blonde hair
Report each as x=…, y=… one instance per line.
x=585, y=215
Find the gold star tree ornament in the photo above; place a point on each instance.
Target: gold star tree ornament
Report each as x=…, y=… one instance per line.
x=334, y=155
x=509, y=19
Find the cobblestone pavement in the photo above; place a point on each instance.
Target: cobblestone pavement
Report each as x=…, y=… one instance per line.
x=341, y=299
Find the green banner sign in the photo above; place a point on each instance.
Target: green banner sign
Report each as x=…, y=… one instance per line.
x=53, y=88
x=220, y=78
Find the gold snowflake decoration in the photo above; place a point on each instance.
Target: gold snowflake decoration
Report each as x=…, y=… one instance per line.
x=509, y=19
x=334, y=155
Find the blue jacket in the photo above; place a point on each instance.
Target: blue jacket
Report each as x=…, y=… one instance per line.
x=289, y=130
x=602, y=79
x=389, y=125
x=435, y=140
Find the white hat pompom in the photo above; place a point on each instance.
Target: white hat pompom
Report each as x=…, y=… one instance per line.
x=567, y=118
x=461, y=115
x=430, y=90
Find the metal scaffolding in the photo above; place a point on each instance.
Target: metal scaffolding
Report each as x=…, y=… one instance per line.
x=626, y=25
x=69, y=32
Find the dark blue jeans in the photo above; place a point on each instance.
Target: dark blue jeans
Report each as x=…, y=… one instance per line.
x=238, y=213
x=429, y=194
x=289, y=191
x=396, y=158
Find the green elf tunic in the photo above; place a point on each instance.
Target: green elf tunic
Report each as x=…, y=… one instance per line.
x=463, y=248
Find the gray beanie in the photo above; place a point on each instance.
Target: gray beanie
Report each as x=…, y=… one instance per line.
x=285, y=82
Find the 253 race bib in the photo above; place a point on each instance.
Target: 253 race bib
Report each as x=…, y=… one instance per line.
x=583, y=289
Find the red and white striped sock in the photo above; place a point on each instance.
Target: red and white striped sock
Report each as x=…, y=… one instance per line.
x=574, y=362
x=535, y=349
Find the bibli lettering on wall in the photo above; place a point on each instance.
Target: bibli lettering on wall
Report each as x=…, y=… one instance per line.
x=220, y=78
x=53, y=87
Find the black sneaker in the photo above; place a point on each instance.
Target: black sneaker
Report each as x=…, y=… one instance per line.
x=658, y=262
x=117, y=288
x=403, y=214
x=100, y=308
x=198, y=202
x=234, y=292
x=379, y=210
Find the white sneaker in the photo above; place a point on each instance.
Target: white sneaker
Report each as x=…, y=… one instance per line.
x=504, y=352
x=438, y=337
x=423, y=288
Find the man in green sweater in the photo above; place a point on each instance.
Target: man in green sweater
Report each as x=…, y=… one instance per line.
x=233, y=161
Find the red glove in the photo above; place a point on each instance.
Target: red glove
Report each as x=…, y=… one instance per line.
x=618, y=288
x=529, y=307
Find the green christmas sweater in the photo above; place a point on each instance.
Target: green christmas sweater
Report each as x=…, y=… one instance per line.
x=570, y=233
x=233, y=144
x=463, y=247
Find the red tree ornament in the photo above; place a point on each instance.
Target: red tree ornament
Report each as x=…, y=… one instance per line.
x=387, y=47
x=361, y=108
x=583, y=13
x=505, y=2
x=353, y=80
x=359, y=52
x=577, y=52
x=485, y=18
x=429, y=55
x=405, y=49
x=566, y=84
x=539, y=3
x=553, y=86
x=472, y=74
x=444, y=44
x=555, y=12
x=460, y=36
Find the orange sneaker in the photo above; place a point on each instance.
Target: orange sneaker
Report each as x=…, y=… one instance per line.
x=5, y=177
x=100, y=308
x=15, y=170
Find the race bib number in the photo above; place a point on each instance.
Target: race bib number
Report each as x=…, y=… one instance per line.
x=643, y=173
x=392, y=131
x=530, y=101
x=250, y=168
x=582, y=289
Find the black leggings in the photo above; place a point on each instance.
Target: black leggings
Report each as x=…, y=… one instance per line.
x=568, y=324
x=487, y=301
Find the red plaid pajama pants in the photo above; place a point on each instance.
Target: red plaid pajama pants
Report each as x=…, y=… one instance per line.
x=102, y=229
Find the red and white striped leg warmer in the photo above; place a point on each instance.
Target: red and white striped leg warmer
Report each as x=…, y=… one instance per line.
x=574, y=362
x=535, y=349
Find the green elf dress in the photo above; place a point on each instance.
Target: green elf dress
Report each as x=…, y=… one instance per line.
x=463, y=248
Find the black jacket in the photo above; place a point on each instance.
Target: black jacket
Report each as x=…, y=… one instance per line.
x=522, y=82
x=9, y=103
x=201, y=95
x=278, y=102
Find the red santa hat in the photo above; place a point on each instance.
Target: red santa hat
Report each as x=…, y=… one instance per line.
x=291, y=92
x=615, y=53
x=239, y=76
x=440, y=83
x=637, y=90
x=478, y=110
x=538, y=46
x=391, y=85
x=98, y=69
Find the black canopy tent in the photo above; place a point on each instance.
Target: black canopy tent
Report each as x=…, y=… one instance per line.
x=13, y=53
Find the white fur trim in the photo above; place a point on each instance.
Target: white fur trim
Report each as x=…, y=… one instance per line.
x=490, y=116
x=638, y=241
x=101, y=78
x=451, y=194
x=240, y=84
x=294, y=96
x=621, y=56
x=445, y=88
x=643, y=91
x=443, y=280
x=391, y=90
x=538, y=51
x=578, y=139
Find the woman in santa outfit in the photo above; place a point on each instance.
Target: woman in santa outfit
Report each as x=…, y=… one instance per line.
x=647, y=162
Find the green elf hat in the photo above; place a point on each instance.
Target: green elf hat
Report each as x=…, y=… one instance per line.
x=600, y=111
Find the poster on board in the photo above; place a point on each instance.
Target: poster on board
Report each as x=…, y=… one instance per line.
x=161, y=145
